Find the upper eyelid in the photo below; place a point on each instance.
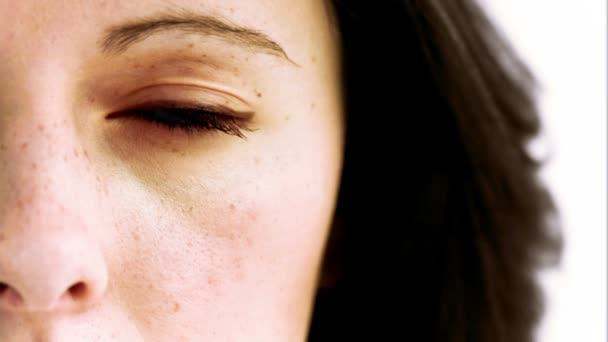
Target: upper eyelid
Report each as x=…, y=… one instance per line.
x=197, y=96
x=170, y=104
x=215, y=89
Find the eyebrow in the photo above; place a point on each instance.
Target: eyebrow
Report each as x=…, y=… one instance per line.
x=118, y=38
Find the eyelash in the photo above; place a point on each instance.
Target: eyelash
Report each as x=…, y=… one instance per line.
x=187, y=118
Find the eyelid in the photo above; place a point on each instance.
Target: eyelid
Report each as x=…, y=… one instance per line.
x=189, y=95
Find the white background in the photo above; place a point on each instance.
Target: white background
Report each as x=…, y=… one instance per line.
x=564, y=42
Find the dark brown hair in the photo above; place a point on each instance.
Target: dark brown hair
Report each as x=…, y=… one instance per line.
x=441, y=223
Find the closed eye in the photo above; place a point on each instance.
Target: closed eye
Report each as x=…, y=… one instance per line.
x=187, y=118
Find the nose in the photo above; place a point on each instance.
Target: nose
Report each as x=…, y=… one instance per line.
x=58, y=273
x=51, y=259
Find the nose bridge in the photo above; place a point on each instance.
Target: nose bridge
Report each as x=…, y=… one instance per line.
x=40, y=165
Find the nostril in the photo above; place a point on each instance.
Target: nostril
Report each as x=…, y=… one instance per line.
x=78, y=290
x=9, y=296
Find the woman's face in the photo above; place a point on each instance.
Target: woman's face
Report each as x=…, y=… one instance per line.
x=124, y=216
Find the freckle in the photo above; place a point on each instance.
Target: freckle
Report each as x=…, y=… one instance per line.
x=174, y=150
x=313, y=105
x=24, y=145
x=287, y=118
x=314, y=59
x=232, y=206
x=86, y=154
x=252, y=216
x=65, y=158
x=211, y=281
x=34, y=166
x=41, y=128
x=2, y=237
x=135, y=236
x=236, y=263
x=256, y=160
x=258, y=94
x=76, y=153
x=2, y=147
x=191, y=45
x=176, y=307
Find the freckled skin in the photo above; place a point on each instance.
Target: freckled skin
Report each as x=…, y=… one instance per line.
x=119, y=229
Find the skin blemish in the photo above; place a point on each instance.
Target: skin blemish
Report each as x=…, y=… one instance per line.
x=40, y=128
x=211, y=281
x=258, y=94
x=20, y=204
x=24, y=146
x=232, y=206
x=176, y=307
x=34, y=166
x=252, y=216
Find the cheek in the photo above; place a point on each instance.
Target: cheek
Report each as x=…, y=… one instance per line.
x=209, y=259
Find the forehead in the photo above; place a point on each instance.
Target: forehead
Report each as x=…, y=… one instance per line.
x=49, y=26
